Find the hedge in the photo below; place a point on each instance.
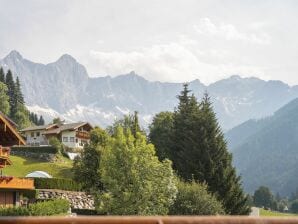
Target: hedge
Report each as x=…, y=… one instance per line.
x=31, y=194
x=47, y=208
x=57, y=183
x=35, y=149
x=84, y=211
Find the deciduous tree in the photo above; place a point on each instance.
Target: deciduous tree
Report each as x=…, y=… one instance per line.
x=135, y=181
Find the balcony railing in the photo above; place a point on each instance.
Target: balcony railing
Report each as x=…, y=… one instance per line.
x=83, y=134
x=4, y=151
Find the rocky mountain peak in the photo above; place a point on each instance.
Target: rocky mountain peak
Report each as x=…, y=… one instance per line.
x=66, y=58
x=14, y=55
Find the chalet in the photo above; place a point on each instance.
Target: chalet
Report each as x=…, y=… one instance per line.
x=10, y=187
x=74, y=135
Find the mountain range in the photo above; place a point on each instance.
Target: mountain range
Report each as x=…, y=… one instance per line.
x=265, y=151
x=64, y=88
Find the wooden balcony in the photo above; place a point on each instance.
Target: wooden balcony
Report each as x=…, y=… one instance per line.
x=83, y=134
x=4, y=156
x=7, y=182
x=4, y=151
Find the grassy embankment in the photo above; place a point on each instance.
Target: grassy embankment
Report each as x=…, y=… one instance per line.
x=264, y=212
x=22, y=166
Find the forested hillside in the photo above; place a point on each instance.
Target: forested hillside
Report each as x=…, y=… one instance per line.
x=266, y=151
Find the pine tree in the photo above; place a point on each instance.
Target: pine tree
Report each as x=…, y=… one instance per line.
x=2, y=75
x=35, y=119
x=135, y=127
x=18, y=93
x=18, y=111
x=199, y=152
x=182, y=137
x=11, y=93
x=215, y=164
x=41, y=120
x=4, y=99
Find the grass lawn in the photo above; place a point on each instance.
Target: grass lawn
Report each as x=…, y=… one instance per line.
x=21, y=166
x=264, y=212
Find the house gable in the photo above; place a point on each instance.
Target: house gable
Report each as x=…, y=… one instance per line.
x=9, y=136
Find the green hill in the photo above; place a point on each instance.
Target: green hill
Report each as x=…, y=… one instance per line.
x=21, y=166
x=265, y=152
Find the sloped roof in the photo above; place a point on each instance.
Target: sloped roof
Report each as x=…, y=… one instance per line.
x=8, y=119
x=66, y=127
x=11, y=137
x=39, y=127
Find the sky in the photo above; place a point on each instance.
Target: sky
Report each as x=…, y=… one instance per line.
x=161, y=40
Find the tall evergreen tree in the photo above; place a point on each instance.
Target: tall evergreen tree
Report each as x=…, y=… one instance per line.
x=18, y=93
x=11, y=93
x=4, y=99
x=183, y=134
x=41, y=121
x=18, y=111
x=218, y=170
x=199, y=152
x=2, y=75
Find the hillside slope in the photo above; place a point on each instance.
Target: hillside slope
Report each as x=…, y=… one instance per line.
x=266, y=151
x=22, y=166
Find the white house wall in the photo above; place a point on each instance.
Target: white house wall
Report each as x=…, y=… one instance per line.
x=35, y=140
x=68, y=135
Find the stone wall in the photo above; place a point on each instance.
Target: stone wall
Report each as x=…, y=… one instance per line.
x=77, y=200
x=46, y=157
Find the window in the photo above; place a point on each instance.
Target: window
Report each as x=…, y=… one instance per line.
x=77, y=140
x=32, y=134
x=37, y=134
x=65, y=139
x=71, y=139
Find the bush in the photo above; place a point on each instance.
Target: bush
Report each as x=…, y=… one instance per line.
x=47, y=208
x=194, y=199
x=35, y=149
x=30, y=194
x=57, y=183
x=85, y=212
x=54, y=142
x=294, y=206
x=14, y=211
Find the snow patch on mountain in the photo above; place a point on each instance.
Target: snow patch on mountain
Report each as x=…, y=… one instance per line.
x=63, y=88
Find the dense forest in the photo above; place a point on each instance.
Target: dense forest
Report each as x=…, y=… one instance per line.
x=12, y=102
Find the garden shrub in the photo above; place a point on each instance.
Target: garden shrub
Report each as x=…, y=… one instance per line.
x=194, y=199
x=46, y=208
x=57, y=183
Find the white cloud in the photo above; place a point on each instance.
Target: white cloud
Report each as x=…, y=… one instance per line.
x=170, y=62
x=230, y=32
